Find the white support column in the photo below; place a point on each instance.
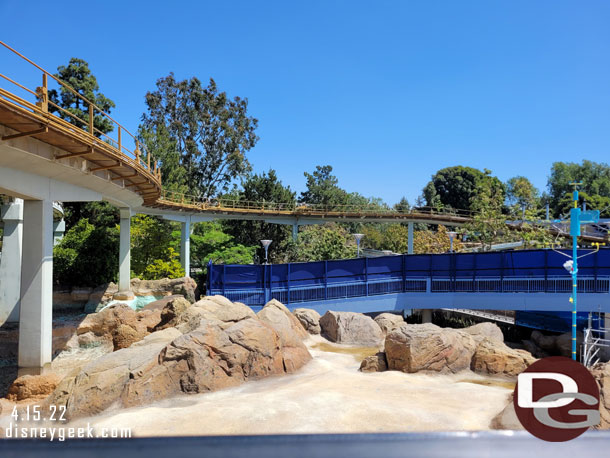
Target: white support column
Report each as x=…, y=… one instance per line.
x=125, y=254
x=36, y=311
x=185, y=245
x=295, y=232
x=410, y=241
x=10, y=261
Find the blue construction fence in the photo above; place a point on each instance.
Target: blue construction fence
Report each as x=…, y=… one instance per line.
x=507, y=271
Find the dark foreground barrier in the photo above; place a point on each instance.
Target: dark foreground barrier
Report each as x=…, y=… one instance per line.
x=454, y=445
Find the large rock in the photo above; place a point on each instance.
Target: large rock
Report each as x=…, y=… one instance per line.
x=291, y=333
x=507, y=418
x=375, y=363
x=427, y=347
x=33, y=387
x=100, y=384
x=481, y=330
x=556, y=345
x=389, y=321
x=172, y=311
x=213, y=308
x=215, y=355
x=184, y=286
x=601, y=373
x=495, y=358
x=118, y=323
x=309, y=318
x=351, y=328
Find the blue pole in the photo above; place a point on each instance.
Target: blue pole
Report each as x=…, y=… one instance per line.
x=575, y=231
x=574, y=292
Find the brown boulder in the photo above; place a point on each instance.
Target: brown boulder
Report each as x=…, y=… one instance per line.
x=172, y=310
x=482, y=330
x=351, y=328
x=495, y=358
x=375, y=363
x=389, y=321
x=507, y=418
x=309, y=319
x=427, y=347
x=33, y=387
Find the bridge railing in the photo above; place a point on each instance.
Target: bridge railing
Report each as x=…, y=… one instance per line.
x=122, y=141
x=299, y=207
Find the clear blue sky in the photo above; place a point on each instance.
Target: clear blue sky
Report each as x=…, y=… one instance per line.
x=385, y=92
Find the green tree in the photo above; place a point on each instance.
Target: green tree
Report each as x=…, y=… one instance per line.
x=78, y=75
x=265, y=187
x=100, y=214
x=594, y=176
x=159, y=144
x=323, y=188
x=324, y=242
x=396, y=238
x=403, y=206
x=151, y=242
x=87, y=255
x=488, y=223
x=210, y=242
x=212, y=132
x=521, y=192
x=457, y=187
x=427, y=241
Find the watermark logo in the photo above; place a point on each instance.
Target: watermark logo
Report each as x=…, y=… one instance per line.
x=556, y=399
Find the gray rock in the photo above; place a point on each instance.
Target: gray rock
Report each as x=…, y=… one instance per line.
x=310, y=319
x=351, y=328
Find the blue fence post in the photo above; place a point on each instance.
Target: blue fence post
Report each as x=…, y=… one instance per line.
x=209, y=279
x=366, y=275
x=404, y=274
x=288, y=285
x=224, y=276
x=325, y=280
x=270, y=281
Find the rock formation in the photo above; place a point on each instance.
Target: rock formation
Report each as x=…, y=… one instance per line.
x=389, y=321
x=351, y=328
x=215, y=344
x=310, y=319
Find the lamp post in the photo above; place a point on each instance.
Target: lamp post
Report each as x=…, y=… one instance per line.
x=451, y=235
x=358, y=238
x=266, y=244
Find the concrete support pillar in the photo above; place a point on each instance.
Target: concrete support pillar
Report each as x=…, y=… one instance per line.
x=10, y=261
x=36, y=310
x=59, y=228
x=295, y=232
x=185, y=246
x=410, y=241
x=125, y=251
x=426, y=316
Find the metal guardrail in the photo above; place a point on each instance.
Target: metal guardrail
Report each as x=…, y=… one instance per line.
x=362, y=288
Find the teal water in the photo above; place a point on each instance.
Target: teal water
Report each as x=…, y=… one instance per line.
x=137, y=303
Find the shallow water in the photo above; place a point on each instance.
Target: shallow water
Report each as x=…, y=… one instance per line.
x=359, y=353
x=137, y=303
x=328, y=395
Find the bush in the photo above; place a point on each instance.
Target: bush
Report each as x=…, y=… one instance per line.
x=87, y=255
x=161, y=268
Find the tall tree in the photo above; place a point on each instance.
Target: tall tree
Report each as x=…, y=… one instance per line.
x=212, y=132
x=521, y=192
x=594, y=176
x=78, y=75
x=265, y=187
x=323, y=188
x=457, y=187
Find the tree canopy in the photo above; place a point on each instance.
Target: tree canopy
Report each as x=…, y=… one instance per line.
x=78, y=75
x=211, y=132
x=458, y=187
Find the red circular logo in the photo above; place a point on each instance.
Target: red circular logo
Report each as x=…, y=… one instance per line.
x=556, y=399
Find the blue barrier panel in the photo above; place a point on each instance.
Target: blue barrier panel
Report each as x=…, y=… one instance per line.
x=510, y=271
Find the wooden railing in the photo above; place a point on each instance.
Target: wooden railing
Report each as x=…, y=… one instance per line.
x=131, y=152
